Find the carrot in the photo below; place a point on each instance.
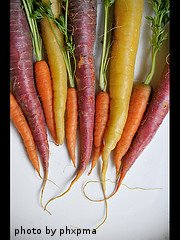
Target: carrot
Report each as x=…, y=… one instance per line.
x=82, y=18
x=52, y=38
x=102, y=98
x=21, y=125
x=153, y=118
x=138, y=103
x=22, y=79
x=141, y=92
x=71, y=122
x=44, y=88
x=101, y=118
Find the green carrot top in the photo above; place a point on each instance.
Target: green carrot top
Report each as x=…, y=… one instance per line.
x=158, y=23
x=106, y=44
x=36, y=38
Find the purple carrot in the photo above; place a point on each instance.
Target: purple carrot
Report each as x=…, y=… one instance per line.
x=82, y=15
x=82, y=21
x=22, y=79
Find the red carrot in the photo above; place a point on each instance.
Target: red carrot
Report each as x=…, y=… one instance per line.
x=82, y=18
x=23, y=87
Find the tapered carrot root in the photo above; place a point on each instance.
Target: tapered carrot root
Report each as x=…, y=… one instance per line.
x=101, y=118
x=71, y=122
x=78, y=175
x=138, y=103
x=96, y=155
x=44, y=88
x=21, y=124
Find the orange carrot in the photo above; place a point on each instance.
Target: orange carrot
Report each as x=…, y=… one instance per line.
x=138, y=103
x=44, y=88
x=41, y=71
x=101, y=118
x=103, y=99
x=22, y=126
x=71, y=121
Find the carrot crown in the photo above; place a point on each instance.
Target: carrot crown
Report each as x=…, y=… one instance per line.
x=36, y=39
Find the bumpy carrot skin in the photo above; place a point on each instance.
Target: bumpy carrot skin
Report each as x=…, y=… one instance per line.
x=44, y=88
x=57, y=68
x=128, y=15
x=21, y=125
x=138, y=104
x=71, y=122
x=101, y=118
x=82, y=16
x=156, y=112
x=22, y=78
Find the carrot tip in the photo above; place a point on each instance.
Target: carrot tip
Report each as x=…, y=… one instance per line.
x=57, y=144
x=90, y=172
x=74, y=164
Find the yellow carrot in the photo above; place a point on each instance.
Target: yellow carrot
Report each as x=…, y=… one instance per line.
x=128, y=15
x=52, y=37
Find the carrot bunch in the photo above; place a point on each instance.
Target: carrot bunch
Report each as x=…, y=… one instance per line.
x=122, y=118
x=58, y=23
x=45, y=11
